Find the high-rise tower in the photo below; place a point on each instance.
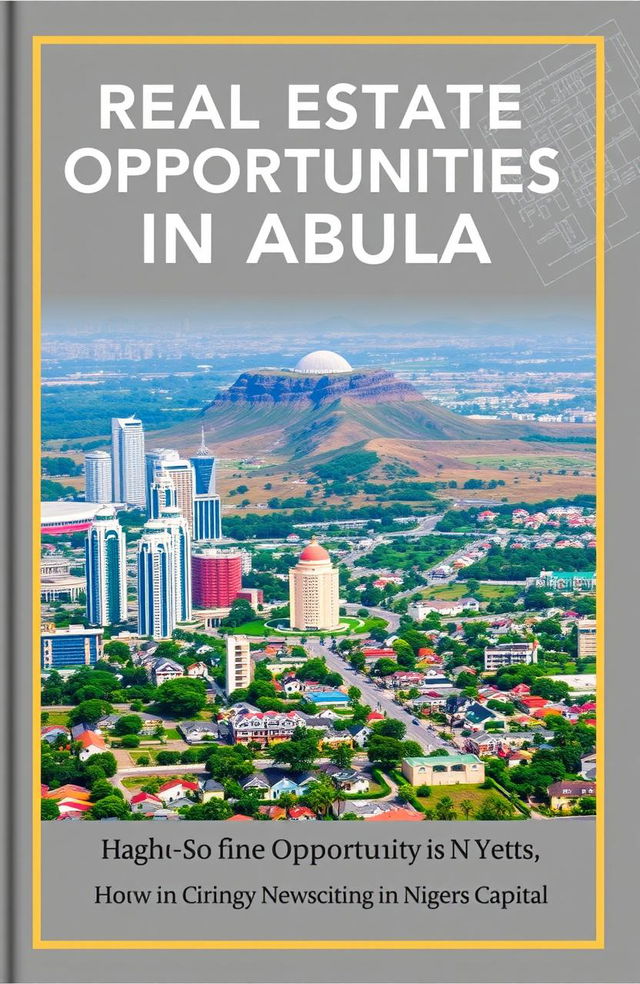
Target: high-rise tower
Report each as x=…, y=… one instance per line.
x=98, y=483
x=162, y=494
x=177, y=528
x=106, y=570
x=127, y=454
x=314, y=602
x=156, y=581
x=204, y=466
x=207, y=509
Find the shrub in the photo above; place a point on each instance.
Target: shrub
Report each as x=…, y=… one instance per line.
x=423, y=790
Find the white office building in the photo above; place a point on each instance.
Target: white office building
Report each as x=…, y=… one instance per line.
x=238, y=673
x=98, y=482
x=156, y=582
x=127, y=453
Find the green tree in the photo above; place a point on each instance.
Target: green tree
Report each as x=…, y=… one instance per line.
x=49, y=809
x=110, y=806
x=117, y=652
x=384, y=667
x=444, y=809
x=467, y=808
x=494, y=808
x=300, y=753
x=167, y=757
x=89, y=712
x=390, y=728
x=130, y=741
x=241, y=612
x=128, y=724
x=229, y=763
x=354, y=694
x=181, y=698
x=385, y=752
x=320, y=795
x=215, y=809
x=341, y=755
x=586, y=805
x=102, y=788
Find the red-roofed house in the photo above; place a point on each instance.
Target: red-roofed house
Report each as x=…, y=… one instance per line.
x=176, y=789
x=146, y=803
x=532, y=703
x=92, y=744
x=69, y=789
x=400, y=814
x=239, y=816
x=375, y=716
x=69, y=805
x=301, y=813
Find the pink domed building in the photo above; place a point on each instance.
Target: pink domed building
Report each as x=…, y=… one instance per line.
x=314, y=598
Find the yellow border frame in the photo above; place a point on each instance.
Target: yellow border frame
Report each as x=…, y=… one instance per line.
x=598, y=43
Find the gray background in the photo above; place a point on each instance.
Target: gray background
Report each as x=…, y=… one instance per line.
x=616, y=962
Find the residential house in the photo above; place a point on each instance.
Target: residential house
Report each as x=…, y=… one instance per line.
x=264, y=727
x=92, y=744
x=69, y=791
x=443, y=770
x=165, y=669
x=588, y=766
x=146, y=803
x=69, y=808
x=405, y=679
x=198, y=669
x=359, y=734
x=51, y=732
x=301, y=813
x=419, y=610
x=483, y=743
x=362, y=808
x=177, y=789
x=346, y=779
x=565, y=794
x=256, y=781
x=477, y=716
x=194, y=732
x=399, y=813
x=211, y=789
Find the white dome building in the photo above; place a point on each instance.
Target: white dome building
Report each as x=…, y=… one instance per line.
x=322, y=363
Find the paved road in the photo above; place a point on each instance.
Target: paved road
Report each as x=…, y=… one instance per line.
x=378, y=699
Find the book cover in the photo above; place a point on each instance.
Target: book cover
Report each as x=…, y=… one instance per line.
x=308, y=311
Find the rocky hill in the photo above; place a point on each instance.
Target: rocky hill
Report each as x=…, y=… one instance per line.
x=270, y=386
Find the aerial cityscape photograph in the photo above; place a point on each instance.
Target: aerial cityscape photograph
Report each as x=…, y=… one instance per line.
x=340, y=572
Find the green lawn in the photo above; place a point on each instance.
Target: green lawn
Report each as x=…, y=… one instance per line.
x=486, y=592
x=472, y=792
x=532, y=462
x=135, y=782
x=56, y=717
x=351, y=625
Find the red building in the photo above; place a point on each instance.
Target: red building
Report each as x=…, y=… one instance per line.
x=216, y=577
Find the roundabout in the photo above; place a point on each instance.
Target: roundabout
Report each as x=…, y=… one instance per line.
x=347, y=625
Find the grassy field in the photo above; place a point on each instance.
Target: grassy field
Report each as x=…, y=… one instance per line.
x=350, y=625
x=55, y=717
x=135, y=782
x=474, y=793
x=487, y=592
x=533, y=462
